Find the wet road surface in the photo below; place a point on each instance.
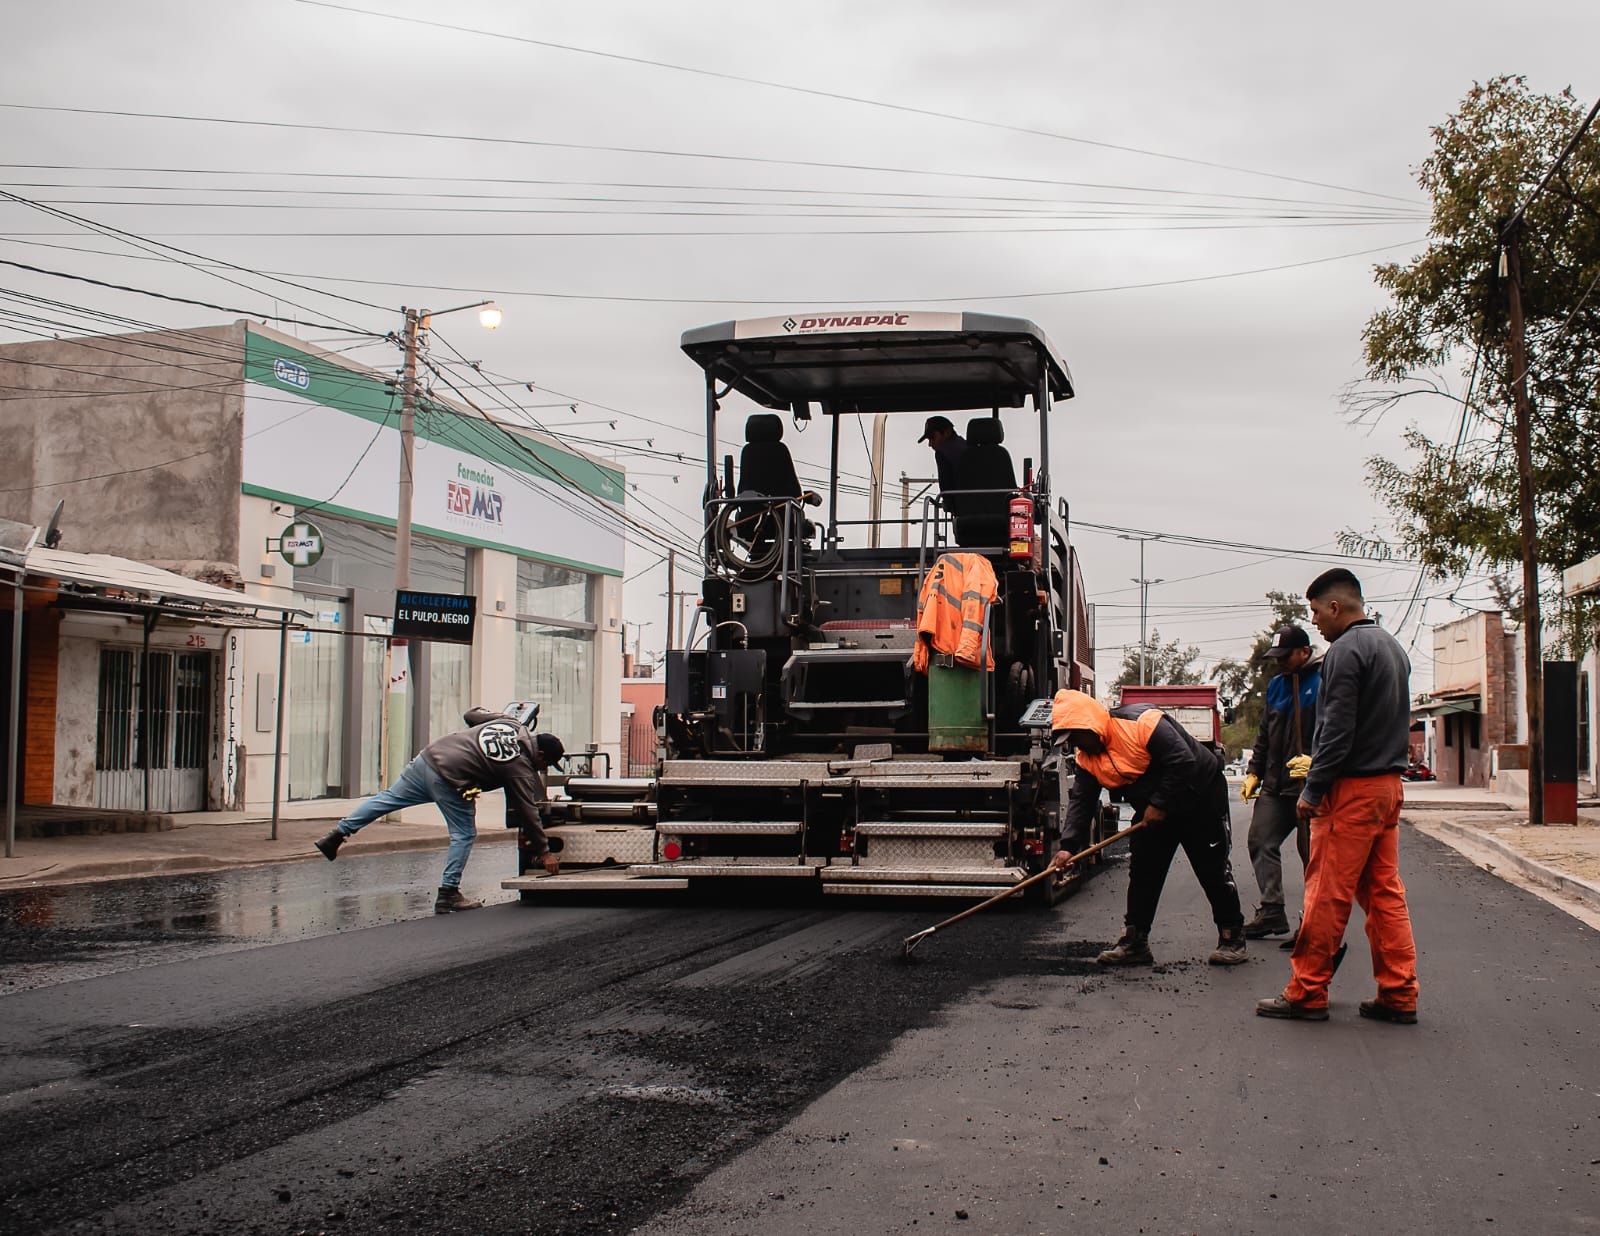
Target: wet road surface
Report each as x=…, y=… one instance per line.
x=708, y=1068
x=53, y=935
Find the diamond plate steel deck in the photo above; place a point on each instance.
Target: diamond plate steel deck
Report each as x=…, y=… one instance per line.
x=923, y=875
x=977, y=892
x=737, y=828
x=601, y=843
x=928, y=828
x=698, y=867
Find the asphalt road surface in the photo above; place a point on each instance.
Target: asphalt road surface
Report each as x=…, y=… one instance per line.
x=715, y=1068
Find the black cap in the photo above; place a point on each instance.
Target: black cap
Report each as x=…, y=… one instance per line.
x=551, y=749
x=1285, y=640
x=935, y=422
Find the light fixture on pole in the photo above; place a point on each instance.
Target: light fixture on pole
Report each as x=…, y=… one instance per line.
x=1144, y=597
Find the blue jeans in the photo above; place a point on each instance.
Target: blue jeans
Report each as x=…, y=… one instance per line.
x=420, y=784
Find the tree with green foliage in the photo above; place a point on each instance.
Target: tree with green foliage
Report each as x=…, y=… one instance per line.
x=1163, y=663
x=1455, y=497
x=1242, y=685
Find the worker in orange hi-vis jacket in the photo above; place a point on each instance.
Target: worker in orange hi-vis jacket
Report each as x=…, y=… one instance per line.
x=1176, y=787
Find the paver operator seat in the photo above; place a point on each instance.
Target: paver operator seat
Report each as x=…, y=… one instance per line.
x=765, y=468
x=982, y=520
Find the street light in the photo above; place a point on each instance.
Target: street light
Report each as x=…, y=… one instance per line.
x=1144, y=596
x=490, y=316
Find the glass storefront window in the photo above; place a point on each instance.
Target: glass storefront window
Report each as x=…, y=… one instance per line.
x=545, y=590
x=315, y=741
x=555, y=666
x=449, y=684
x=358, y=555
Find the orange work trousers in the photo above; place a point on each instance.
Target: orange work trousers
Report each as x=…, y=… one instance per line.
x=1355, y=851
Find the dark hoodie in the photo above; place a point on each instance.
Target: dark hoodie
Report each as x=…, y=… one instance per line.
x=1275, y=745
x=496, y=753
x=1180, y=773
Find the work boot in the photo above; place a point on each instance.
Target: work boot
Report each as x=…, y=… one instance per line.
x=1230, y=947
x=329, y=846
x=1270, y=920
x=1132, y=950
x=1377, y=1010
x=450, y=900
x=1277, y=1006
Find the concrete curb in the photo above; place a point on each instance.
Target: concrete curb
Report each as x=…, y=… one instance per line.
x=1542, y=873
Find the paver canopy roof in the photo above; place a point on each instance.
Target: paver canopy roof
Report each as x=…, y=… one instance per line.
x=885, y=361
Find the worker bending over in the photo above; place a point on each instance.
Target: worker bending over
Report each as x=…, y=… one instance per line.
x=499, y=751
x=1177, y=788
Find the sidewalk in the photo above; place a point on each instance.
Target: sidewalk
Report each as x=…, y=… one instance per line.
x=214, y=841
x=1493, y=830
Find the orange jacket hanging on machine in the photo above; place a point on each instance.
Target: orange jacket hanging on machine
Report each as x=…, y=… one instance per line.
x=952, y=610
x=1127, y=743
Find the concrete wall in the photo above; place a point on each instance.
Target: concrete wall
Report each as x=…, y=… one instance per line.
x=1475, y=655
x=77, y=688
x=139, y=434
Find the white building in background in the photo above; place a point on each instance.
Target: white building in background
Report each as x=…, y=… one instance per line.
x=1583, y=580
x=197, y=451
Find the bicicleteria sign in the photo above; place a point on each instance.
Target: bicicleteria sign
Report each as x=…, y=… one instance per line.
x=439, y=616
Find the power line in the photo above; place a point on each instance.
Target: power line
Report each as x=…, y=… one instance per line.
x=680, y=186
x=843, y=98
x=181, y=300
x=485, y=139
x=1566, y=151
x=545, y=294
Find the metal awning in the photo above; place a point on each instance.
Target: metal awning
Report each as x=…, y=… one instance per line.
x=145, y=587
x=107, y=583
x=1443, y=708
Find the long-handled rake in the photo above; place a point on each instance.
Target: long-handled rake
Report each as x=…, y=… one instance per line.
x=909, y=944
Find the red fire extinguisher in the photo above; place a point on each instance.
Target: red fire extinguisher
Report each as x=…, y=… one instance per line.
x=1021, y=528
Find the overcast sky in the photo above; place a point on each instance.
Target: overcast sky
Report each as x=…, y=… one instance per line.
x=622, y=202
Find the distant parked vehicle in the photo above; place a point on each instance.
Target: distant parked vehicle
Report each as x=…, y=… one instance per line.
x=1418, y=771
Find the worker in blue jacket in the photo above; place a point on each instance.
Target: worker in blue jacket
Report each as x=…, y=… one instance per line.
x=1277, y=772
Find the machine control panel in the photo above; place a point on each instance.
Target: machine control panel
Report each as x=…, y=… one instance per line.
x=1036, y=716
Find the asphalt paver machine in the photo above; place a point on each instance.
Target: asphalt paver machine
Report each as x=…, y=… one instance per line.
x=798, y=741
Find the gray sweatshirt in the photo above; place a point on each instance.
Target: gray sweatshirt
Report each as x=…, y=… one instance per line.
x=1364, y=713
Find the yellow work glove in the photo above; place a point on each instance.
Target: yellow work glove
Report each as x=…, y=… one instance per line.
x=1250, y=788
x=1299, y=767
x=471, y=793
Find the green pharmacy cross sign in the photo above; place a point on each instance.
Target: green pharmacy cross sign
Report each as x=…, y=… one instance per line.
x=300, y=544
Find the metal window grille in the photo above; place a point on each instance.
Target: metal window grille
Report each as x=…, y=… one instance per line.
x=115, y=711
x=192, y=713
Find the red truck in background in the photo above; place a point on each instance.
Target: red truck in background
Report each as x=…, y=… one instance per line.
x=1193, y=707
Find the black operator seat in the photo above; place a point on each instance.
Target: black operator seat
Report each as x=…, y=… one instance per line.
x=765, y=465
x=985, y=464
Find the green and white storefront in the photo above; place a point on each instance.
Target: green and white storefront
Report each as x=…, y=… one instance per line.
x=528, y=527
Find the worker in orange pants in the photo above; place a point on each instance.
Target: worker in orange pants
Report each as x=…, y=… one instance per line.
x=1351, y=795
x=1355, y=855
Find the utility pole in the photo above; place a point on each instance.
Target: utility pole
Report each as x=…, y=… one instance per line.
x=672, y=572
x=1144, y=599
x=392, y=751
x=1532, y=650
